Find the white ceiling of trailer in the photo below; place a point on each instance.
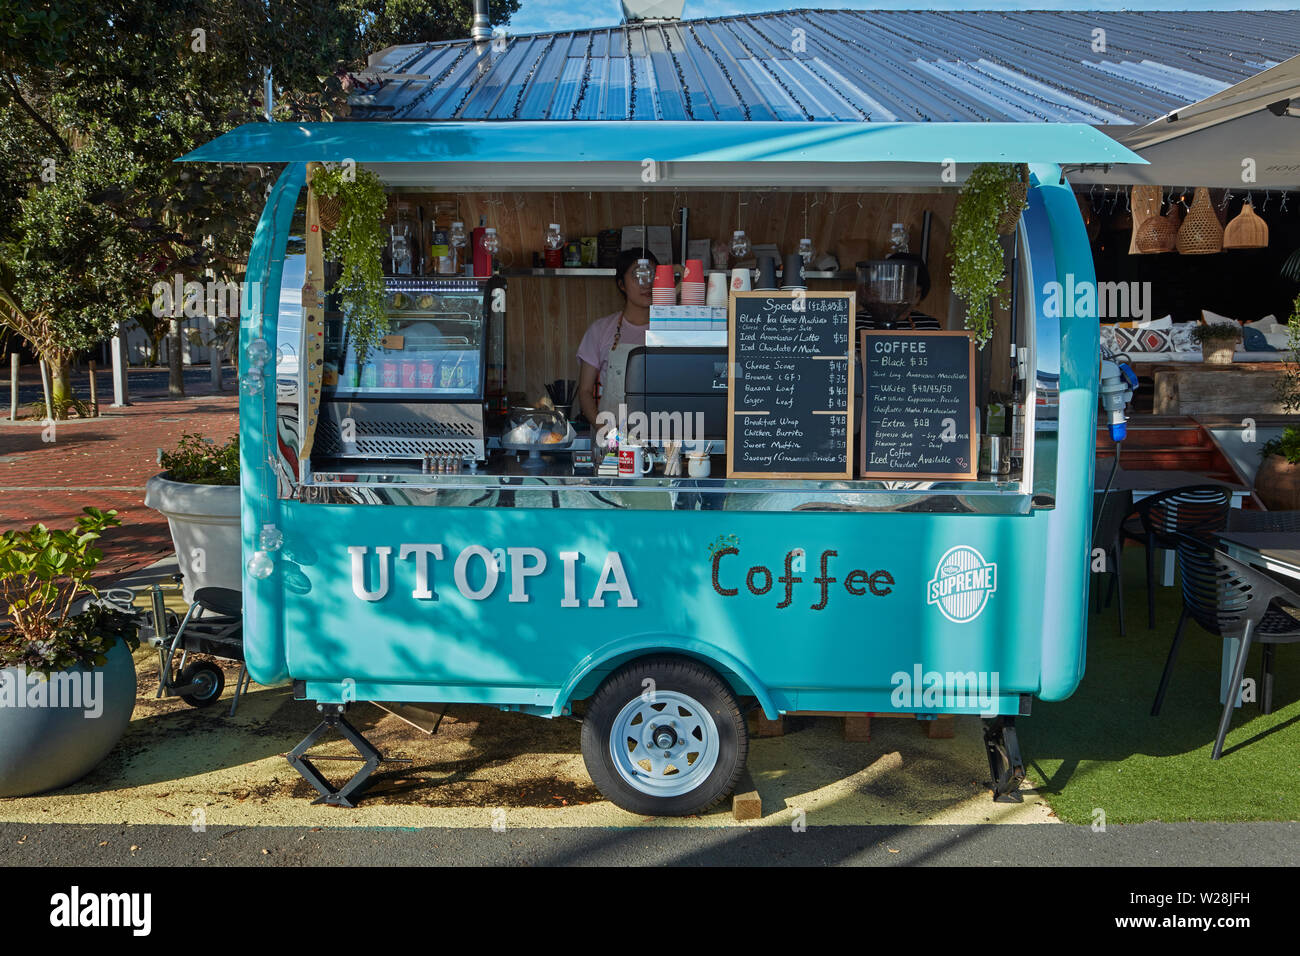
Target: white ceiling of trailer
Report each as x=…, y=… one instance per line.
x=1248, y=129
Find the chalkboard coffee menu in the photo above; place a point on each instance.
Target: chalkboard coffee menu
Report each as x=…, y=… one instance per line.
x=790, y=385
x=918, y=417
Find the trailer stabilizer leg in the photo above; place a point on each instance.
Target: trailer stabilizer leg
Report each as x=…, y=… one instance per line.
x=1005, y=764
x=370, y=757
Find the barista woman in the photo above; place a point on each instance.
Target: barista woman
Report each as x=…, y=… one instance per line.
x=602, y=355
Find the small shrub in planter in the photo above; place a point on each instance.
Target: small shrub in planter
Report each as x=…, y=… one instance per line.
x=201, y=461
x=67, y=680
x=199, y=494
x=1218, y=341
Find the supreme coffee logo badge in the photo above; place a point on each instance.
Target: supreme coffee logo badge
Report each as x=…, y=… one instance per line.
x=962, y=584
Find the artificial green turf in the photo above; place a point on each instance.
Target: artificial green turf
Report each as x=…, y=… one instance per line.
x=1101, y=748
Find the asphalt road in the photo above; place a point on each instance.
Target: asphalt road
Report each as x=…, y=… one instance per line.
x=1147, y=844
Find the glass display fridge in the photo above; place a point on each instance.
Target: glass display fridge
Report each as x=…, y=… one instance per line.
x=434, y=385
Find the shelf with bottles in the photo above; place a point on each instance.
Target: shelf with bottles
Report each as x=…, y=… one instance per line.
x=447, y=370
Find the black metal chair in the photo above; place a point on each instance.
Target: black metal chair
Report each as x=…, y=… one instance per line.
x=1232, y=600
x=1241, y=520
x=1109, y=512
x=1159, y=519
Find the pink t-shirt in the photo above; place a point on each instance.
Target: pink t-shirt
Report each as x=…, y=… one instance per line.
x=599, y=339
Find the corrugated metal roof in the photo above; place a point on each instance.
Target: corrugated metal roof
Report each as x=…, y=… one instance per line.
x=801, y=65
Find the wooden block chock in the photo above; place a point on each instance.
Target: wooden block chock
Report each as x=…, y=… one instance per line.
x=857, y=728
x=760, y=726
x=941, y=728
x=746, y=804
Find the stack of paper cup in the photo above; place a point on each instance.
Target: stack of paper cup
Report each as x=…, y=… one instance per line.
x=693, y=283
x=665, y=287
x=740, y=280
x=716, y=295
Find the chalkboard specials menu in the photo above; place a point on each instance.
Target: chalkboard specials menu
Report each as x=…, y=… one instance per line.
x=790, y=385
x=918, y=417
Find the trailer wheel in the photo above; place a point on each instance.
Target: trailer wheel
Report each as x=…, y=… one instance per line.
x=208, y=679
x=673, y=747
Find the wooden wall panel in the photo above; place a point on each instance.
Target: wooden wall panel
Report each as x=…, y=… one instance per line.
x=547, y=316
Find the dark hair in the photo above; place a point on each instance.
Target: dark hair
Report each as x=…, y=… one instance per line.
x=922, y=273
x=626, y=260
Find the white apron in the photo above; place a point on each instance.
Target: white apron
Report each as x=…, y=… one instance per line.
x=613, y=383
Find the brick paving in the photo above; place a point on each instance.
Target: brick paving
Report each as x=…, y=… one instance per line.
x=105, y=462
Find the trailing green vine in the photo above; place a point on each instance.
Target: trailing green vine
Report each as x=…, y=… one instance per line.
x=358, y=245
x=977, y=258
x=1288, y=384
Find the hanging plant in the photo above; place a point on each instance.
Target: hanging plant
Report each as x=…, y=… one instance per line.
x=357, y=243
x=977, y=259
x=1288, y=383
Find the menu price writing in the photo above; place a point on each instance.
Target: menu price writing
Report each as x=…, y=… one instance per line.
x=918, y=416
x=791, y=384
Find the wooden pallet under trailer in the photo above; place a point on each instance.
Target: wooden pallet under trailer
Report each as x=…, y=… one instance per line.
x=1006, y=766
x=746, y=804
x=857, y=726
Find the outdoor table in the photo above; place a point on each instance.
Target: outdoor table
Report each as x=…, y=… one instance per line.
x=1150, y=482
x=1144, y=483
x=1274, y=551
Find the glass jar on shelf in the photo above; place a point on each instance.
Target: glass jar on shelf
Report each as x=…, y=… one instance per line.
x=402, y=239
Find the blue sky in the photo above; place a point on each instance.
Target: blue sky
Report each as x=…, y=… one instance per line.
x=536, y=16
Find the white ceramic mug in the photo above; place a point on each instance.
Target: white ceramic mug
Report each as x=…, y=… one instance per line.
x=698, y=466
x=633, y=462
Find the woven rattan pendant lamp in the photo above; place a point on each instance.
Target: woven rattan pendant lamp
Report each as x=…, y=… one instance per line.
x=1247, y=231
x=1201, y=233
x=1145, y=203
x=1159, y=233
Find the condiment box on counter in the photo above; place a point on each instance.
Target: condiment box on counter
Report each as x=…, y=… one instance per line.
x=686, y=325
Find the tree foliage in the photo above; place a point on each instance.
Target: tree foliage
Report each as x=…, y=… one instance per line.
x=115, y=90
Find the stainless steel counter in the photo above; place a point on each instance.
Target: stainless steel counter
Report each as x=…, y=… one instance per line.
x=505, y=481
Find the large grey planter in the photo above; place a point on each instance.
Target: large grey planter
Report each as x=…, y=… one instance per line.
x=46, y=747
x=204, y=522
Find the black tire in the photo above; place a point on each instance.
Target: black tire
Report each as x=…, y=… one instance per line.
x=211, y=681
x=669, y=674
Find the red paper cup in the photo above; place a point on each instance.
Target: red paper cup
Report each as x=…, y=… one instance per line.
x=664, y=278
x=694, y=271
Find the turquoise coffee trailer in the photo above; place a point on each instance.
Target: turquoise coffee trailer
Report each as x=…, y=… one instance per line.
x=670, y=605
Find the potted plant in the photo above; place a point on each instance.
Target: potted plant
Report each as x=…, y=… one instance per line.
x=994, y=195
x=67, y=680
x=1218, y=341
x=356, y=197
x=1277, y=483
x=198, y=492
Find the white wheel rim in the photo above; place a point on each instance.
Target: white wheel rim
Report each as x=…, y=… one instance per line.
x=664, y=744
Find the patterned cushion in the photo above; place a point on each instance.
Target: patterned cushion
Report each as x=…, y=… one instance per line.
x=1180, y=337
x=1253, y=340
x=1146, y=339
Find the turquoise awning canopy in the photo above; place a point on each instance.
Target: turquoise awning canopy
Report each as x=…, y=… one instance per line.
x=675, y=142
